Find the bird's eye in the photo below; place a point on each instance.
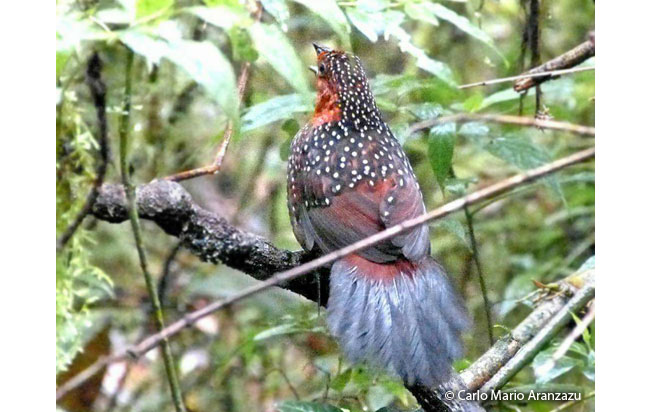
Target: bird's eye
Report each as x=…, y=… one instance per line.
x=322, y=68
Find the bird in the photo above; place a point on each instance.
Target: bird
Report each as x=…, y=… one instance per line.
x=390, y=306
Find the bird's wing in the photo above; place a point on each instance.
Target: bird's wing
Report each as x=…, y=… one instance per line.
x=352, y=188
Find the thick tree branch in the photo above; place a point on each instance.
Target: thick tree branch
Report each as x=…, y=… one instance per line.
x=205, y=234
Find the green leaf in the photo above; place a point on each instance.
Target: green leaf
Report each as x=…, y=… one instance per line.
x=222, y=16
x=339, y=382
x=243, y=47
x=423, y=111
x=458, y=187
x=62, y=59
x=284, y=149
x=333, y=15
x=279, y=10
x=299, y=406
x=463, y=24
x=435, y=67
x=206, y=65
x=586, y=334
x=523, y=154
x=546, y=371
x=519, y=152
x=153, y=50
x=589, y=368
x=457, y=228
x=421, y=12
x=361, y=378
x=400, y=85
x=378, y=397
x=474, y=130
x=272, y=110
x=390, y=84
x=473, y=103
x=373, y=5
x=588, y=264
x=397, y=389
x=499, y=97
x=441, y=143
x=290, y=127
x=146, y=8
x=517, y=287
x=274, y=46
x=369, y=24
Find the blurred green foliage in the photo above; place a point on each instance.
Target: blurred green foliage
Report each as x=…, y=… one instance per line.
x=273, y=349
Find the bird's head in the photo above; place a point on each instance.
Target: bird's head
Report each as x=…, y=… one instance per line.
x=343, y=91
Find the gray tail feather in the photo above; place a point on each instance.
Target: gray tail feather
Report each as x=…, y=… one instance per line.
x=409, y=325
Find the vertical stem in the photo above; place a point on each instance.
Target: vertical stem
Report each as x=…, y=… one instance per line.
x=135, y=225
x=535, y=57
x=476, y=259
x=483, y=285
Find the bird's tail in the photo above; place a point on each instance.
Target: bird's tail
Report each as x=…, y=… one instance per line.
x=402, y=316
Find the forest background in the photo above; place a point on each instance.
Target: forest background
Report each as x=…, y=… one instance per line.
x=147, y=89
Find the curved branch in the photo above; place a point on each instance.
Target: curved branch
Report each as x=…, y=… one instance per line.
x=493, y=369
x=564, y=61
x=205, y=234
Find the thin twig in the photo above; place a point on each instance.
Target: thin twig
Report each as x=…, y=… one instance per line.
x=550, y=314
x=215, y=167
x=514, y=344
x=86, y=374
x=478, y=266
x=550, y=74
x=534, y=346
x=502, y=186
x=166, y=274
x=135, y=226
x=505, y=119
x=98, y=92
x=287, y=381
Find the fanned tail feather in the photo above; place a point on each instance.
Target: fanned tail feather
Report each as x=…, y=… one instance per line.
x=404, y=317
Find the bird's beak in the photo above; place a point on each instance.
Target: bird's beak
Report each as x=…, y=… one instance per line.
x=321, y=49
x=313, y=69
